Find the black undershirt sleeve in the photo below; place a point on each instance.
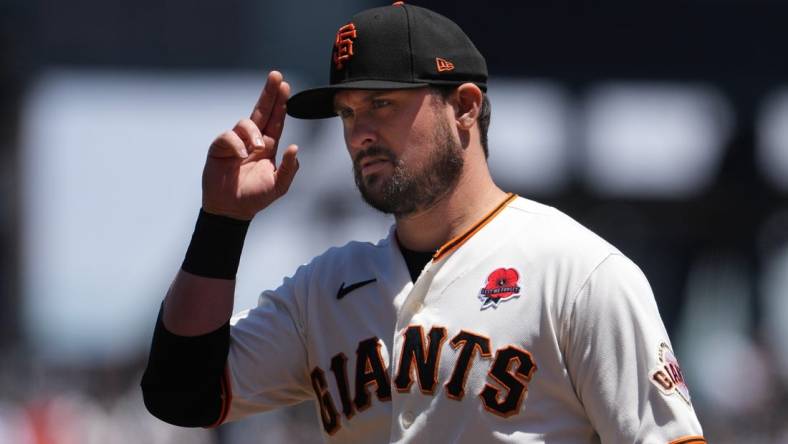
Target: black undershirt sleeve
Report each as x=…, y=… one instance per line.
x=182, y=384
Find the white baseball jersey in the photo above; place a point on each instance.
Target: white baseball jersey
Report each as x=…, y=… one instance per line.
x=528, y=328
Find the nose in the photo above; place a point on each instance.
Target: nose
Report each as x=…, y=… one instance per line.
x=360, y=134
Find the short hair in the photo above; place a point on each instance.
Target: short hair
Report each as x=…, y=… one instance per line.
x=484, y=113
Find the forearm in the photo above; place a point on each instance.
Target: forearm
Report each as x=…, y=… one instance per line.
x=183, y=382
x=200, y=298
x=196, y=305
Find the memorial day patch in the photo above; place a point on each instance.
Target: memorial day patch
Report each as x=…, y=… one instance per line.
x=667, y=376
x=501, y=285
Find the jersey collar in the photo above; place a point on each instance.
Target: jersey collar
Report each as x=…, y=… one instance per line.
x=455, y=243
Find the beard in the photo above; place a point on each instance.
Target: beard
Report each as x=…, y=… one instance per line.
x=412, y=189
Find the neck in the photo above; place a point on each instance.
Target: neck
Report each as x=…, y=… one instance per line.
x=474, y=196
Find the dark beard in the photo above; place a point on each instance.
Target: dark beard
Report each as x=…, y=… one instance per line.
x=408, y=191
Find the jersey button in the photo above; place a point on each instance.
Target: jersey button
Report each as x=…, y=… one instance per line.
x=407, y=419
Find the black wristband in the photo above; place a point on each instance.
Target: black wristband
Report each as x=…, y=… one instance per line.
x=215, y=249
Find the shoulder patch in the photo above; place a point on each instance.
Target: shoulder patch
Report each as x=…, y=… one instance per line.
x=667, y=375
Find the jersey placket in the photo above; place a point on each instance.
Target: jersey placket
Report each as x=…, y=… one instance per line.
x=407, y=405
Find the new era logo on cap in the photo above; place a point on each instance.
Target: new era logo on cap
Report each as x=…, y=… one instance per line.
x=443, y=64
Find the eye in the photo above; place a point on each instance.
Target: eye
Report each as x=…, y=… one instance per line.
x=344, y=113
x=380, y=103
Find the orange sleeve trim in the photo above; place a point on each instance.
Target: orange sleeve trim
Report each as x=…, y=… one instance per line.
x=453, y=244
x=689, y=440
x=227, y=398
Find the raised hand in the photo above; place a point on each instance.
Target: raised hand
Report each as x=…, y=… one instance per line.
x=240, y=176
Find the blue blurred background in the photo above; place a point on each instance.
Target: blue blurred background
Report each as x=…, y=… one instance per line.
x=663, y=126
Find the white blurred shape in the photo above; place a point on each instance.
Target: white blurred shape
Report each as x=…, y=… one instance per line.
x=772, y=138
x=111, y=166
x=529, y=135
x=775, y=307
x=15, y=425
x=654, y=140
x=724, y=367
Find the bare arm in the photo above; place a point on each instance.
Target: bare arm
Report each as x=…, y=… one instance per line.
x=240, y=179
x=184, y=381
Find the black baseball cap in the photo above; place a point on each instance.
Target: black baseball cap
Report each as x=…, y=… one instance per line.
x=393, y=47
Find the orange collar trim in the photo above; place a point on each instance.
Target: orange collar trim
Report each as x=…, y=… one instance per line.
x=689, y=440
x=455, y=243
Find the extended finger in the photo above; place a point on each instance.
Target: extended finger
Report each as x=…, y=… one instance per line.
x=276, y=122
x=228, y=144
x=287, y=170
x=267, y=151
x=270, y=146
x=268, y=97
x=249, y=133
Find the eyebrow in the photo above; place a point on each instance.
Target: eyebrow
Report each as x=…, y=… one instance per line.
x=374, y=94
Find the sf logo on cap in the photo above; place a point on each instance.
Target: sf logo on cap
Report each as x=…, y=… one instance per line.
x=343, y=45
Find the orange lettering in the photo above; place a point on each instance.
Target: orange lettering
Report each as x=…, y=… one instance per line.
x=343, y=46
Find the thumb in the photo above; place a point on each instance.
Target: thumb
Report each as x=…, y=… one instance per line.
x=287, y=170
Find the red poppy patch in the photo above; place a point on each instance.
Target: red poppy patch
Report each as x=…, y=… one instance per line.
x=501, y=285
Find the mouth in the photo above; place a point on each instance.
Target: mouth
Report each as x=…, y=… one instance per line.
x=373, y=164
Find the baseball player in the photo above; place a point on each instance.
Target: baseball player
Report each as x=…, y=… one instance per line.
x=481, y=317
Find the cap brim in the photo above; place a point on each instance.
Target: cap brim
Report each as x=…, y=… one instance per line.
x=318, y=103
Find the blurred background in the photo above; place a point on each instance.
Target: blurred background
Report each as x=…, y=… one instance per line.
x=663, y=126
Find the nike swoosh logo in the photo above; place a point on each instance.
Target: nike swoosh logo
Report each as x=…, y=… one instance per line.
x=345, y=290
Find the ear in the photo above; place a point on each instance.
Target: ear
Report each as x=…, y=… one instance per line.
x=469, y=103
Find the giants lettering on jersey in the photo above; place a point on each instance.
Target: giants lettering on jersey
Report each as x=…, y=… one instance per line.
x=508, y=375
